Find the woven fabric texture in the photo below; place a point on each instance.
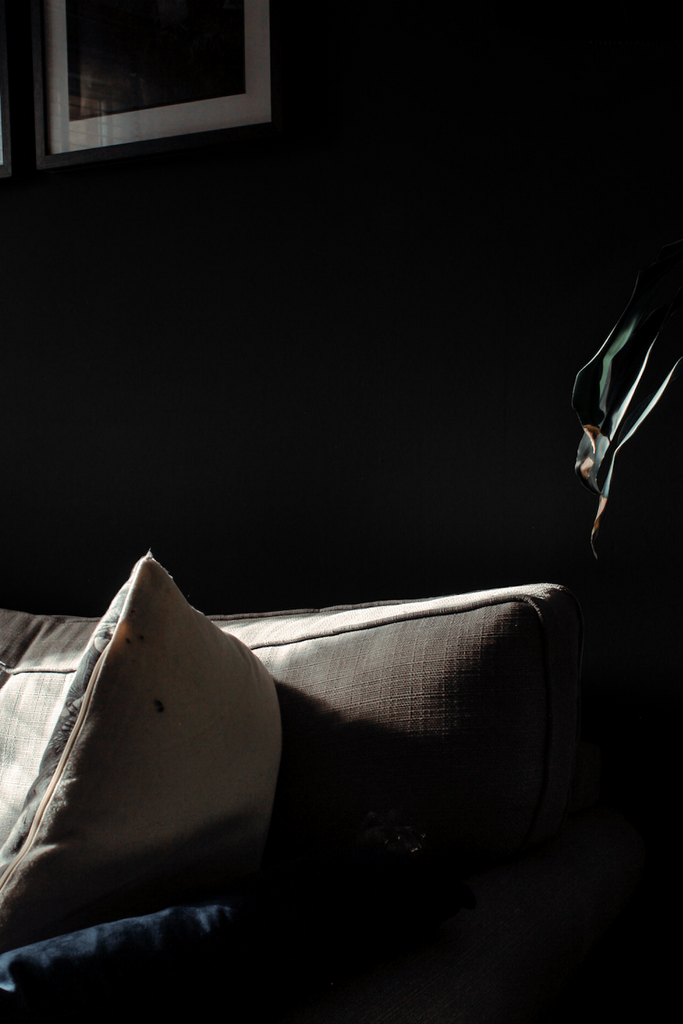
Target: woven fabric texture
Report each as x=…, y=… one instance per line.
x=461, y=713
x=30, y=703
x=39, y=655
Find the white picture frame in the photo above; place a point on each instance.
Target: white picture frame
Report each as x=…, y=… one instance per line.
x=64, y=138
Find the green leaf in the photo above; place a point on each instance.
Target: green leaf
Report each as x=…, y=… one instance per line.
x=605, y=387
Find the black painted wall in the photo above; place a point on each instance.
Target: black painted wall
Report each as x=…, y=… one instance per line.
x=337, y=367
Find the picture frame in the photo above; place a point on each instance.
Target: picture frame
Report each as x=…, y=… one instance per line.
x=118, y=79
x=5, y=142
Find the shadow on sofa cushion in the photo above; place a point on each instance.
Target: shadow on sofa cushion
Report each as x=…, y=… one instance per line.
x=280, y=937
x=463, y=710
x=536, y=918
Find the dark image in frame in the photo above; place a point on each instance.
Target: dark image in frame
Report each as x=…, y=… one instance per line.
x=123, y=78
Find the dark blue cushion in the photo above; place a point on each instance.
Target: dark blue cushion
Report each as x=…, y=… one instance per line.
x=113, y=968
x=285, y=933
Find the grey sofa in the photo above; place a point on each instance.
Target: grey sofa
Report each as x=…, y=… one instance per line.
x=461, y=713
x=464, y=712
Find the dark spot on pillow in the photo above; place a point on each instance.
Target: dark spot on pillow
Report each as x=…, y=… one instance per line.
x=127, y=639
x=159, y=706
x=140, y=636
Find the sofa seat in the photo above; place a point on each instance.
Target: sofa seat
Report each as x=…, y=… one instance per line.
x=506, y=962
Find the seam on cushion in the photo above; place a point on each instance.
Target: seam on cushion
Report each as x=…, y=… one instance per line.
x=550, y=725
x=551, y=720
x=40, y=620
x=46, y=799
x=53, y=618
x=258, y=616
x=360, y=627
x=289, y=612
x=19, y=671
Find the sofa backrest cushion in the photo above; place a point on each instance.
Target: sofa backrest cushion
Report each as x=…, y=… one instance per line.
x=461, y=713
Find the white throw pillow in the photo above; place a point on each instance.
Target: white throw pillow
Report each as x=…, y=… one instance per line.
x=158, y=781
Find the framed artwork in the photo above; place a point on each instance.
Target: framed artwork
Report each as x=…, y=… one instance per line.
x=124, y=78
x=5, y=149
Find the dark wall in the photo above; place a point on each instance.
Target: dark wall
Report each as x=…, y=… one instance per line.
x=337, y=366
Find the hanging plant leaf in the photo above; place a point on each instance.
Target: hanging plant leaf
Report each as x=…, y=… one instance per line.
x=604, y=388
